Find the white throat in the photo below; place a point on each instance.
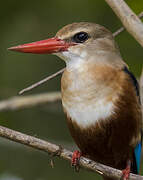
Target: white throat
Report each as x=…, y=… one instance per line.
x=73, y=60
x=85, y=99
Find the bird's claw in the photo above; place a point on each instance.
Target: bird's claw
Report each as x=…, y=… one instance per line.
x=56, y=153
x=126, y=172
x=75, y=160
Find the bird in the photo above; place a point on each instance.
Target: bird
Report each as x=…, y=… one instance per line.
x=100, y=95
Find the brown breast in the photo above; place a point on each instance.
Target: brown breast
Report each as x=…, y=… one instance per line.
x=111, y=140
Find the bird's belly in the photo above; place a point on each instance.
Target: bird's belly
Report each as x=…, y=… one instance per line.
x=94, y=127
x=98, y=143
x=86, y=114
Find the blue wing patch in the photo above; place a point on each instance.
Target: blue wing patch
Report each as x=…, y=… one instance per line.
x=137, y=154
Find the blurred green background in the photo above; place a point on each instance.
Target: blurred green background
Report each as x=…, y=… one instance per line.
x=26, y=21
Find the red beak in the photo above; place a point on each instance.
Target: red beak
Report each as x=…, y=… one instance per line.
x=48, y=46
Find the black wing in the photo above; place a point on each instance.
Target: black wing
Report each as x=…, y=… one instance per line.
x=134, y=81
x=137, y=150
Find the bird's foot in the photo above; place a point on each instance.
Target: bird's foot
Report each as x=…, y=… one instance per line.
x=75, y=160
x=126, y=172
x=56, y=153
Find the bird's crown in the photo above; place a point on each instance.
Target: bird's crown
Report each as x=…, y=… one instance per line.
x=83, y=31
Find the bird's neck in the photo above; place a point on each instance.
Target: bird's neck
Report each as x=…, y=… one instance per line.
x=87, y=90
x=85, y=79
x=98, y=58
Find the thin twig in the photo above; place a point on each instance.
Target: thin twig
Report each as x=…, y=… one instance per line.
x=141, y=79
x=62, y=70
x=141, y=89
x=17, y=103
x=56, y=150
x=129, y=19
x=42, y=81
x=122, y=28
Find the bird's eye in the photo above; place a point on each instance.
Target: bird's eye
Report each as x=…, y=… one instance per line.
x=80, y=37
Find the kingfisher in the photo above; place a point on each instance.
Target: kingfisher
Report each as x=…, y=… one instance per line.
x=100, y=96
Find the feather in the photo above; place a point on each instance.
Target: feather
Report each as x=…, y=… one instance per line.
x=137, y=158
x=137, y=150
x=134, y=81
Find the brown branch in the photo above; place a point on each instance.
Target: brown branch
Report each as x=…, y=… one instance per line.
x=56, y=150
x=129, y=19
x=17, y=103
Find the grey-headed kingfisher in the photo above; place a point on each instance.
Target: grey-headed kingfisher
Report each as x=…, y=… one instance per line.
x=100, y=96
